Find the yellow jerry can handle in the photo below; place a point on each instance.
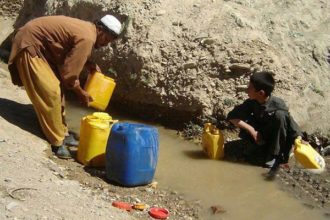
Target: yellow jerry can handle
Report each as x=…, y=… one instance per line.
x=102, y=116
x=297, y=141
x=207, y=127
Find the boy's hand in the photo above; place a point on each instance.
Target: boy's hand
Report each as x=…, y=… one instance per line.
x=257, y=137
x=260, y=140
x=304, y=142
x=243, y=125
x=254, y=135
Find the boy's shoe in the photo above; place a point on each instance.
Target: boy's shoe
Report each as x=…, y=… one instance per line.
x=70, y=141
x=272, y=173
x=269, y=164
x=61, y=152
x=274, y=168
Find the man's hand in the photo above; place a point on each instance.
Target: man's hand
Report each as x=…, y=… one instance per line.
x=83, y=96
x=92, y=67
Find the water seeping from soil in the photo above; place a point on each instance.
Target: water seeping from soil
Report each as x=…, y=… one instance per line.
x=238, y=188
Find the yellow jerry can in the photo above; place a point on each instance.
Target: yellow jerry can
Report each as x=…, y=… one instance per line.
x=307, y=156
x=100, y=87
x=213, y=142
x=94, y=133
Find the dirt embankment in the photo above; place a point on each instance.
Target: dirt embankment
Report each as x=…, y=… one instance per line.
x=182, y=60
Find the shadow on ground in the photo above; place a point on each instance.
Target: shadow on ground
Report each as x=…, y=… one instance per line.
x=196, y=154
x=21, y=115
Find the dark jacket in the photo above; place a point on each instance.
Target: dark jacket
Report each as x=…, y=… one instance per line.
x=271, y=119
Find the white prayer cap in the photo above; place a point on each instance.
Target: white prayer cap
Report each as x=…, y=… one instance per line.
x=112, y=23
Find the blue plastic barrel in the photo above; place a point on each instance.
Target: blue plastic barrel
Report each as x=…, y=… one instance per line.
x=132, y=154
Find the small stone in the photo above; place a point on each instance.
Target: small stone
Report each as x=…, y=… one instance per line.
x=11, y=205
x=241, y=87
x=241, y=67
x=153, y=184
x=207, y=41
x=176, y=23
x=201, y=36
x=217, y=209
x=174, y=192
x=7, y=180
x=161, y=12
x=189, y=65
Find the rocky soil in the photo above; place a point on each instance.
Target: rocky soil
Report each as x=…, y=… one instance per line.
x=312, y=189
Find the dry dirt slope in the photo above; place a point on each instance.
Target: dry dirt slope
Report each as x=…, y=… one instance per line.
x=182, y=59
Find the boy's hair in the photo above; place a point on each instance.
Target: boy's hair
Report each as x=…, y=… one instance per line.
x=263, y=81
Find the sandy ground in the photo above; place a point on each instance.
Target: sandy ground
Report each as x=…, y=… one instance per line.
x=32, y=186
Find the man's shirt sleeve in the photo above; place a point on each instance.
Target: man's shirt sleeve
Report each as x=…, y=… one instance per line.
x=75, y=61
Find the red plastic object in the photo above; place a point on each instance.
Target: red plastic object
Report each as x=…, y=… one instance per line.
x=158, y=213
x=122, y=205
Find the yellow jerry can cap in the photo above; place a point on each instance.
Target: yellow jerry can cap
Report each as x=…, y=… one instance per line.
x=96, y=122
x=102, y=116
x=99, y=124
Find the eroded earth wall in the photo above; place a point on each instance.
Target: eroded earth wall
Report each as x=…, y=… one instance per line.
x=190, y=59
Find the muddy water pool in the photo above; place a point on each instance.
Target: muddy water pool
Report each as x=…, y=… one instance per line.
x=239, y=189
